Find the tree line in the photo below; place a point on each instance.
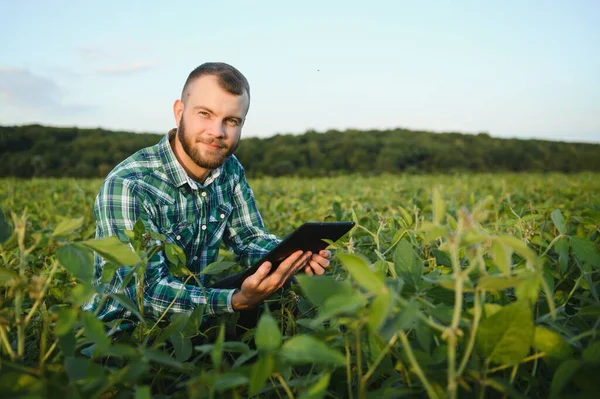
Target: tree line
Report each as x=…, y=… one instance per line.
x=41, y=151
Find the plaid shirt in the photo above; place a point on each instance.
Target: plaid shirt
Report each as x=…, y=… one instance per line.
x=153, y=185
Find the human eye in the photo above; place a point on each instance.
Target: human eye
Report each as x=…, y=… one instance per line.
x=233, y=122
x=203, y=113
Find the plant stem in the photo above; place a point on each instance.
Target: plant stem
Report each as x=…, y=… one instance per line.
x=287, y=389
x=4, y=338
x=525, y=360
x=168, y=307
x=379, y=359
x=38, y=302
x=415, y=365
x=348, y=366
x=477, y=309
x=359, y=362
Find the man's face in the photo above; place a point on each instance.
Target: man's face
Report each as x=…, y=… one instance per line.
x=210, y=122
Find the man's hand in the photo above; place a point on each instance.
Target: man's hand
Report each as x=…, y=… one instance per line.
x=318, y=263
x=260, y=285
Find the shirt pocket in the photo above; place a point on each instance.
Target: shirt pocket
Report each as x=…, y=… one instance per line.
x=182, y=235
x=217, y=222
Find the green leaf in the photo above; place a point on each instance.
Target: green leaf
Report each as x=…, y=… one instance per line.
x=108, y=272
x=401, y=321
x=182, y=346
x=340, y=304
x=260, y=372
x=77, y=260
x=81, y=293
x=506, y=337
x=229, y=380
x=77, y=367
x=175, y=255
x=502, y=256
x=216, y=353
x=591, y=310
x=128, y=304
x=529, y=288
x=318, y=288
x=563, y=375
x=407, y=264
x=319, y=389
x=439, y=207
x=305, y=349
x=586, y=251
x=6, y=229
x=163, y=358
x=67, y=226
x=268, y=335
x=379, y=310
x=498, y=283
x=551, y=343
x=591, y=354
x=217, y=267
x=562, y=249
x=519, y=247
x=94, y=330
x=142, y=392
x=67, y=317
x=7, y=274
x=559, y=221
x=113, y=250
x=358, y=268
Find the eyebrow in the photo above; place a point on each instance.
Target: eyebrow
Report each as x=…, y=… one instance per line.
x=202, y=107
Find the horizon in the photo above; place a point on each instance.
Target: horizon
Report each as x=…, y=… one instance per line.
x=511, y=70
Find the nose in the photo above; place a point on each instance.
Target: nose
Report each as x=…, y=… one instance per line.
x=217, y=128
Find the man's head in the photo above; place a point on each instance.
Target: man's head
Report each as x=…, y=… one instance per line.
x=209, y=116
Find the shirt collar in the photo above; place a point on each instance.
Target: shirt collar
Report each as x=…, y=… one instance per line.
x=173, y=168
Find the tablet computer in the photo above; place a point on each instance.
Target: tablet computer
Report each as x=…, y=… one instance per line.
x=307, y=237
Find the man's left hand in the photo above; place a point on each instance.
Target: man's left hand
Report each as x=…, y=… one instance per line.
x=318, y=263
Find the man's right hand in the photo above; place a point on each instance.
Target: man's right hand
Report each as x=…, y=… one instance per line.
x=258, y=286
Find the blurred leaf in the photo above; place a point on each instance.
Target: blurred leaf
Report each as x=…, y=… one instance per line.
x=77, y=260
x=268, y=335
x=502, y=256
x=217, y=267
x=586, y=251
x=401, y=321
x=506, y=336
x=304, y=349
x=162, y=358
x=551, y=343
x=318, y=288
x=81, y=293
x=67, y=317
x=7, y=274
x=6, y=229
x=260, y=372
x=562, y=376
x=358, y=267
x=559, y=221
x=498, y=283
x=340, y=304
x=319, y=389
x=379, y=310
x=591, y=310
x=529, y=288
x=562, y=249
x=182, y=346
x=519, y=247
x=94, y=330
x=128, y=304
x=142, y=392
x=216, y=353
x=407, y=264
x=113, y=250
x=230, y=380
x=108, y=272
x=439, y=207
x=67, y=226
x=591, y=354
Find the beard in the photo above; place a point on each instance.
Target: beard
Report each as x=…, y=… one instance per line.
x=212, y=159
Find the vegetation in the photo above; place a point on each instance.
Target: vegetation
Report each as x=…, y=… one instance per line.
x=38, y=151
x=457, y=285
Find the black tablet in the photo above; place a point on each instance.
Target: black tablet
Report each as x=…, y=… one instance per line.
x=308, y=237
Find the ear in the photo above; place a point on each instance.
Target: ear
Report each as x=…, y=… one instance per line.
x=177, y=111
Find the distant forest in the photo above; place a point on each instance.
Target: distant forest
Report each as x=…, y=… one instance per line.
x=40, y=151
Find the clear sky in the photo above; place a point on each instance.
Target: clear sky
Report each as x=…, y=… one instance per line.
x=510, y=68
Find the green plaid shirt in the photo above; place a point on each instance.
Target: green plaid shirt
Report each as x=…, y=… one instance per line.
x=153, y=185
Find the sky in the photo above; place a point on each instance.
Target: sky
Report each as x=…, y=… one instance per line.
x=526, y=69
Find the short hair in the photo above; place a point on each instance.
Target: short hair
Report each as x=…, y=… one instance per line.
x=229, y=78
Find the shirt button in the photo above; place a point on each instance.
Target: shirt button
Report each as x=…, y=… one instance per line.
x=203, y=193
x=178, y=237
x=222, y=216
x=195, y=257
x=203, y=227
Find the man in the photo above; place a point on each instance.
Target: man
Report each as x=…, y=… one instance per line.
x=191, y=188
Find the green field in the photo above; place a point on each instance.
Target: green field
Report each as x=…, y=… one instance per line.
x=465, y=285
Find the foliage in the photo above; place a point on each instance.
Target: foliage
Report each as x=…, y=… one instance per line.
x=39, y=151
x=456, y=285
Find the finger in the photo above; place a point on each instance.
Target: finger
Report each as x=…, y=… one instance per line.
x=308, y=271
x=260, y=274
x=325, y=253
x=298, y=265
x=316, y=268
x=323, y=262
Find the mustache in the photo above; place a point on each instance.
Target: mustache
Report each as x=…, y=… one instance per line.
x=214, y=142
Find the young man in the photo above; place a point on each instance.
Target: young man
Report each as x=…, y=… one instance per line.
x=191, y=188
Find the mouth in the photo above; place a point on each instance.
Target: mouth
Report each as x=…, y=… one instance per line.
x=214, y=145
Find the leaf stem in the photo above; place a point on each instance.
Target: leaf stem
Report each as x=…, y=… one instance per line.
x=42, y=293
x=477, y=309
x=415, y=365
x=4, y=338
x=285, y=386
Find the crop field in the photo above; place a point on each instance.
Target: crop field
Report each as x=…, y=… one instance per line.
x=465, y=285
